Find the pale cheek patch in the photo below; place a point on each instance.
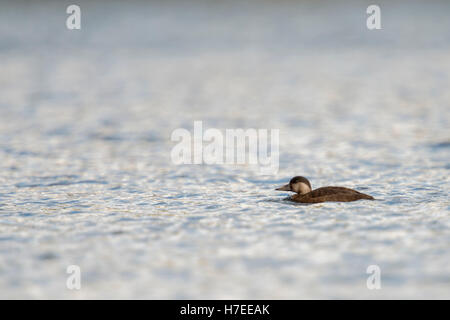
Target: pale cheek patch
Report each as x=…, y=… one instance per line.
x=304, y=188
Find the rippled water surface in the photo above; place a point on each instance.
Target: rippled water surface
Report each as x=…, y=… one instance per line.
x=86, y=176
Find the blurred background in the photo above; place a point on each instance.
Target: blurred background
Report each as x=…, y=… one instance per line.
x=86, y=176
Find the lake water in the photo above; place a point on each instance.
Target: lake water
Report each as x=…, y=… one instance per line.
x=86, y=176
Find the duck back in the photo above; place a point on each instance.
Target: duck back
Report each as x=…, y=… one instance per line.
x=335, y=194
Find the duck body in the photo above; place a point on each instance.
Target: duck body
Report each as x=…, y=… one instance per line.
x=324, y=194
x=305, y=194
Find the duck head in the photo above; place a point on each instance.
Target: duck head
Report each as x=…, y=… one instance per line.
x=298, y=185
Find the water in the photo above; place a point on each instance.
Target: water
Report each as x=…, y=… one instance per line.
x=86, y=176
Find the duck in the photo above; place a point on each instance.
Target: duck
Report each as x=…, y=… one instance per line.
x=304, y=193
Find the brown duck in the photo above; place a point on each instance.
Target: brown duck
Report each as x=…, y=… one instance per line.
x=305, y=194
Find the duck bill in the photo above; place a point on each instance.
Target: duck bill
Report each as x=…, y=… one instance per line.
x=284, y=188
